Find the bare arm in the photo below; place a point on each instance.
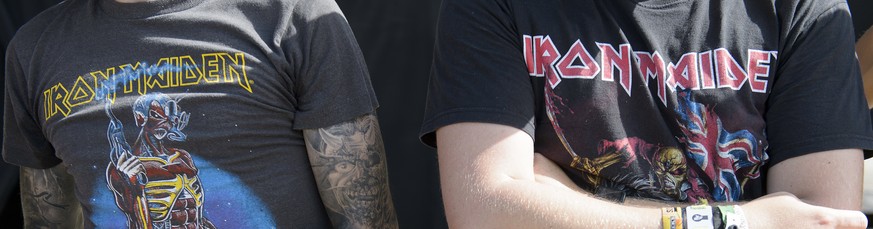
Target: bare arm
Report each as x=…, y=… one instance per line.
x=829, y=179
x=349, y=164
x=490, y=180
x=48, y=199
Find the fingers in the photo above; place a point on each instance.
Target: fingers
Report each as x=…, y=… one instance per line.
x=784, y=210
x=824, y=217
x=121, y=158
x=848, y=219
x=130, y=165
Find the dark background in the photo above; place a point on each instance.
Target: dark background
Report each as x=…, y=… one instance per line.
x=862, y=15
x=396, y=37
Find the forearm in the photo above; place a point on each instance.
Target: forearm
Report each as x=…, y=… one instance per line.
x=523, y=203
x=48, y=199
x=349, y=164
x=492, y=179
x=826, y=182
x=830, y=178
x=489, y=180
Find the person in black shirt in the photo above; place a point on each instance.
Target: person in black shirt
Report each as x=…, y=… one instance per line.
x=607, y=114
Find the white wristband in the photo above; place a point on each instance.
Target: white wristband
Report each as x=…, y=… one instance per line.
x=698, y=217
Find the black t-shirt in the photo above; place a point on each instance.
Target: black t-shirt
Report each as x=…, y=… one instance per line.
x=210, y=96
x=679, y=100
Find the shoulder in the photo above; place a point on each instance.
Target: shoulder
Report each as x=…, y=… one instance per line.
x=287, y=7
x=313, y=9
x=182, y=154
x=802, y=12
x=286, y=16
x=32, y=32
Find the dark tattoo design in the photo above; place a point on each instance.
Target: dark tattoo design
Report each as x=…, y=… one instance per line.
x=48, y=199
x=348, y=160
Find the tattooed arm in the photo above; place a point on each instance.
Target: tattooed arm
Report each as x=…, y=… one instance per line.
x=349, y=164
x=48, y=199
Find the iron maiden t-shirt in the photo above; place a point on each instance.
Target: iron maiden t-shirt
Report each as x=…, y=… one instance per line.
x=678, y=100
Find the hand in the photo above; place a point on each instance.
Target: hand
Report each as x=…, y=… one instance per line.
x=131, y=166
x=784, y=210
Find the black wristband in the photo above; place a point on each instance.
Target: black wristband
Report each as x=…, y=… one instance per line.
x=716, y=218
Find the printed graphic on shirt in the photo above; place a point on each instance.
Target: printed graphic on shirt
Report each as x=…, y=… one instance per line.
x=141, y=78
x=155, y=185
x=728, y=158
x=711, y=164
x=154, y=181
x=637, y=176
x=712, y=69
x=706, y=162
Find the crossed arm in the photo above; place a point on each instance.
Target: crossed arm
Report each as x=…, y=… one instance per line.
x=491, y=178
x=348, y=160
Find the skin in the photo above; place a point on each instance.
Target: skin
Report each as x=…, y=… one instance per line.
x=349, y=164
x=491, y=178
x=864, y=49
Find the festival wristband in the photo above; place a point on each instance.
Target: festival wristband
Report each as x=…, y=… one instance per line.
x=743, y=222
x=716, y=219
x=732, y=217
x=699, y=217
x=671, y=218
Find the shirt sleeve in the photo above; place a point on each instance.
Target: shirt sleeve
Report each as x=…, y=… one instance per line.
x=478, y=73
x=331, y=81
x=23, y=141
x=817, y=101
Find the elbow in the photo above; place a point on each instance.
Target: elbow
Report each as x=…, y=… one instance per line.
x=480, y=202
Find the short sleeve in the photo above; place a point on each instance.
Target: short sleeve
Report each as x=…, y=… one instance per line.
x=817, y=101
x=331, y=81
x=478, y=73
x=23, y=141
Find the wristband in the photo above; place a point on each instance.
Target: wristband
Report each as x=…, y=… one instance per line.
x=741, y=216
x=716, y=218
x=671, y=218
x=699, y=217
